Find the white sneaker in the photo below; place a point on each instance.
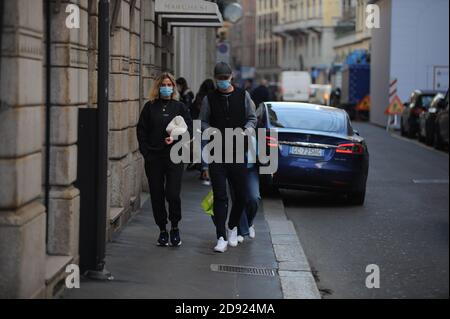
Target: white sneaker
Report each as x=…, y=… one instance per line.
x=241, y=239
x=222, y=246
x=233, y=237
x=206, y=183
x=252, y=231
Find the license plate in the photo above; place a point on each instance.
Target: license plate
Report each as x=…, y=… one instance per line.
x=306, y=151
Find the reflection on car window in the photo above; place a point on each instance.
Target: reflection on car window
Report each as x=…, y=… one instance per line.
x=307, y=119
x=425, y=100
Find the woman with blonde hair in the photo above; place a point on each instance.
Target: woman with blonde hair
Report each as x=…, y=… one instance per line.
x=155, y=143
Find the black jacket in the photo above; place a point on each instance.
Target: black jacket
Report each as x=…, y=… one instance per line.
x=187, y=97
x=153, y=121
x=260, y=94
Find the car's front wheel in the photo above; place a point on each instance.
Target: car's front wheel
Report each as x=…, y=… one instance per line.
x=412, y=133
x=421, y=138
x=402, y=128
x=357, y=198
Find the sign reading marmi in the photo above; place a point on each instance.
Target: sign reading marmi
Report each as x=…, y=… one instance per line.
x=185, y=6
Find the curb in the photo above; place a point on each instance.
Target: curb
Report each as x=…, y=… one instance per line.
x=297, y=280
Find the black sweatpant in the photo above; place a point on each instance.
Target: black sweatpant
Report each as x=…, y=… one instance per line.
x=236, y=174
x=164, y=179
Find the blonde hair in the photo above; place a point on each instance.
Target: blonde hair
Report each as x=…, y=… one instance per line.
x=154, y=90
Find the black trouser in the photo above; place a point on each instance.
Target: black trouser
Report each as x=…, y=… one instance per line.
x=236, y=174
x=164, y=180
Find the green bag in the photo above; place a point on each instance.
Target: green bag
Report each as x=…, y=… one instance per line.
x=208, y=204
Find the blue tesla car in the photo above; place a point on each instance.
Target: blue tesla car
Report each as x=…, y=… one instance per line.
x=318, y=150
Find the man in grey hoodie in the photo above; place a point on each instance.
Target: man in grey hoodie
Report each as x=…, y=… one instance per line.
x=227, y=108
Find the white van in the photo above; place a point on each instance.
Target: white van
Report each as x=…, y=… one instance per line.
x=295, y=86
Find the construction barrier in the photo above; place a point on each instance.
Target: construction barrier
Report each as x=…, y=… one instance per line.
x=395, y=108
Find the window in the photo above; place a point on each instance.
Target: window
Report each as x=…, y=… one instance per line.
x=425, y=101
x=311, y=119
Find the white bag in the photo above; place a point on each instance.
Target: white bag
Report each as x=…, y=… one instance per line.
x=177, y=127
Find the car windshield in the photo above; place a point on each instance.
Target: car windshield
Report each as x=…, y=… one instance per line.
x=311, y=119
x=425, y=100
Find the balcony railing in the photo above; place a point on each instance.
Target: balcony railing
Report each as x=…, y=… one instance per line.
x=349, y=13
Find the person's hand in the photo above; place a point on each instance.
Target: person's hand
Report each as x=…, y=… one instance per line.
x=169, y=140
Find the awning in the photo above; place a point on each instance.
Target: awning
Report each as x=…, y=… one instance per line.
x=188, y=13
x=302, y=27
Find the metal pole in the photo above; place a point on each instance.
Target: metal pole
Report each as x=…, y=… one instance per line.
x=100, y=273
x=1, y=33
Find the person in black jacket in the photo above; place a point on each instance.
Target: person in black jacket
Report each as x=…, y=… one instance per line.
x=261, y=93
x=164, y=176
x=207, y=87
x=186, y=96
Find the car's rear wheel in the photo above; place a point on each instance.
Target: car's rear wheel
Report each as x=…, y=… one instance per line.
x=357, y=198
x=429, y=138
x=437, y=140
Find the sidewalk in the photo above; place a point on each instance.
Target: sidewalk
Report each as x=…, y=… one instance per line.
x=143, y=270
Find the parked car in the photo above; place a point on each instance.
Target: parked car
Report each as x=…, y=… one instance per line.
x=320, y=94
x=441, y=134
x=420, y=102
x=427, y=119
x=318, y=150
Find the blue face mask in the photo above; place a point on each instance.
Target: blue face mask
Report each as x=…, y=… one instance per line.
x=166, y=91
x=224, y=85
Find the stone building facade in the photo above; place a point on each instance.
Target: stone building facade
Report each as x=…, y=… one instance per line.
x=39, y=237
x=243, y=40
x=353, y=31
x=269, y=45
x=307, y=28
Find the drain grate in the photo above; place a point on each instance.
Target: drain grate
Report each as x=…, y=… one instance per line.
x=242, y=270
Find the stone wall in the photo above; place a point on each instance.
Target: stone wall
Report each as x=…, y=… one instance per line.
x=124, y=109
x=22, y=216
x=69, y=91
x=35, y=244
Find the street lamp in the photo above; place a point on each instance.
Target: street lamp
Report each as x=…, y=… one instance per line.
x=231, y=10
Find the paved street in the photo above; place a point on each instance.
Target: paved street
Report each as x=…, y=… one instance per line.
x=403, y=227
x=143, y=270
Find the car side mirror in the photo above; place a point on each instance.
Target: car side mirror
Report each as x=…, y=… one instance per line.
x=356, y=132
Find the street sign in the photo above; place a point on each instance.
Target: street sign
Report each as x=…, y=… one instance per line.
x=223, y=52
x=396, y=107
x=364, y=105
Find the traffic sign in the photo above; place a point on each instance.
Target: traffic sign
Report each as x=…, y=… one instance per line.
x=396, y=107
x=364, y=105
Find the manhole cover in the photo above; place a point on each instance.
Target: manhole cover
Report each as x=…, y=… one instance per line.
x=242, y=270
